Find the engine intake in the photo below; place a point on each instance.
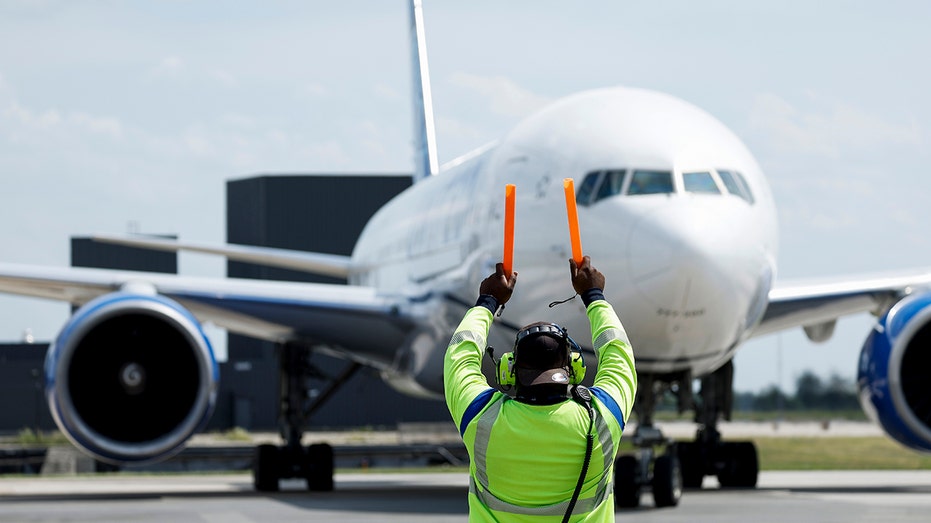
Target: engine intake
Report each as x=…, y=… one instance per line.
x=131, y=377
x=894, y=372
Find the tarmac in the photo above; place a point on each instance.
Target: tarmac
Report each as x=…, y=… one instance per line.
x=446, y=433
x=797, y=497
x=375, y=496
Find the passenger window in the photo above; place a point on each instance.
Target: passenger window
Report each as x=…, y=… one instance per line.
x=650, y=182
x=584, y=195
x=700, y=182
x=611, y=184
x=736, y=184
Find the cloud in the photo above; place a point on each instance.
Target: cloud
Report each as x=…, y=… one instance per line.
x=168, y=67
x=386, y=92
x=31, y=120
x=327, y=152
x=504, y=97
x=829, y=128
x=238, y=120
x=223, y=77
x=31, y=8
x=27, y=126
x=105, y=125
x=198, y=141
x=311, y=90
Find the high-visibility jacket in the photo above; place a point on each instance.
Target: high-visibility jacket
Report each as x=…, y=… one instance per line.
x=526, y=459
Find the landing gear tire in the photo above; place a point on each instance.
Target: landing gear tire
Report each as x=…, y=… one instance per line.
x=741, y=466
x=667, y=481
x=626, y=484
x=319, y=470
x=314, y=464
x=266, y=469
x=691, y=465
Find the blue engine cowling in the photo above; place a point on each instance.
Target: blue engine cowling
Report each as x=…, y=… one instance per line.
x=131, y=377
x=894, y=374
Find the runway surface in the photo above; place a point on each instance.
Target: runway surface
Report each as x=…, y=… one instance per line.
x=795, y=497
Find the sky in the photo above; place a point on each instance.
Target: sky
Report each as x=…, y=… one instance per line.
x=132, y=115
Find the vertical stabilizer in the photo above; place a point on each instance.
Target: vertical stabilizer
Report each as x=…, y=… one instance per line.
x=425, y=160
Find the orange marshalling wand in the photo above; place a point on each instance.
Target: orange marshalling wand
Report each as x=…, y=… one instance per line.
x=573, y=216
x=508, y=261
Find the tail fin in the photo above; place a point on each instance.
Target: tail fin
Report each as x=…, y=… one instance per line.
x=425, y=159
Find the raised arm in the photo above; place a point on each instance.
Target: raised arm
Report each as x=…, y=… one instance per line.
x=462, y=367
x=616, y=375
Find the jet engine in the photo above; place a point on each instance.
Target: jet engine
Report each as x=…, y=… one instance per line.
x=131, y=377
x=894, y=374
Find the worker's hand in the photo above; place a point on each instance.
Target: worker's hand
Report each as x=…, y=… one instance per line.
x=499, y=285
x=584, y=276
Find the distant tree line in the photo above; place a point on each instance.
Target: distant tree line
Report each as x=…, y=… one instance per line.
x=811, y=393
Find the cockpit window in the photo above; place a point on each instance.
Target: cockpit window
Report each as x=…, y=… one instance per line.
x=736, y=184
x=700, y=182
x=745, y=185
x=584, y=195
x=599, y=185
x=611, y=184
x=730, y=182
x=650, y=182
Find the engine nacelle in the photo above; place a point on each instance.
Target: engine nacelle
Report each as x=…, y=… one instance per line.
x=894, y=375
x=131, y=377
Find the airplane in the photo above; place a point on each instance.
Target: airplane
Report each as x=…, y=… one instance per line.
x=673, y=208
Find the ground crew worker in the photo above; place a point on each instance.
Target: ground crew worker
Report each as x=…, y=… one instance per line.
x=544, y=454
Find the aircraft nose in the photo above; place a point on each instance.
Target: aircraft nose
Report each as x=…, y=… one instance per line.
x=681, y=260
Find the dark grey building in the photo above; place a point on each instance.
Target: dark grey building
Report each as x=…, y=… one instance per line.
x=85, y=252
x=22, y=385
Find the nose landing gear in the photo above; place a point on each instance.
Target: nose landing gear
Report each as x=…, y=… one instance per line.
x=662, y=474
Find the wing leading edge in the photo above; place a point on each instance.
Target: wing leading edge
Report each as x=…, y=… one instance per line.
x=355, y=321
x=816, y=304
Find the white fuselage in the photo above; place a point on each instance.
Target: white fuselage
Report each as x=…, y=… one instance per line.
x=688, y=272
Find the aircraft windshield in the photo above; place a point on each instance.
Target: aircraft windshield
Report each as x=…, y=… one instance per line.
x=650, y=182
x=583, y=196
x=700, y=182
x=736, y=185
x=611, y=184
x=599, y=185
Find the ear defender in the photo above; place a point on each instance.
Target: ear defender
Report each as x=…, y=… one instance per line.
x=576, y=368
x=506, y=374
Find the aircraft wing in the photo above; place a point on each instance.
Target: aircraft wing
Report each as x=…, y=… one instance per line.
x=816, y=304
x=350, y=318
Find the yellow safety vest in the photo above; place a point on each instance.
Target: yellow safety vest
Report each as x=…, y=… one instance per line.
x=526, y=459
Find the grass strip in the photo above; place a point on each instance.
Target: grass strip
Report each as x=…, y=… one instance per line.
x=837, y=453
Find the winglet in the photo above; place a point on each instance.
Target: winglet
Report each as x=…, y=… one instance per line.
x=425, y=158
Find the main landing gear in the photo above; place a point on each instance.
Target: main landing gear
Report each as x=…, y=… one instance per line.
x=683, y=464
x=735, y=463
x=315, y=462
